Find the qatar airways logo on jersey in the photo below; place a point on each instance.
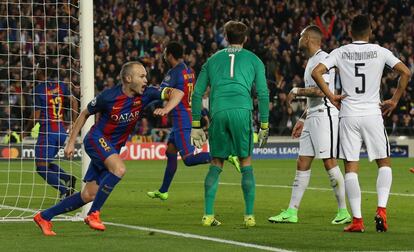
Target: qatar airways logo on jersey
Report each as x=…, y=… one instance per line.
x=125, y=117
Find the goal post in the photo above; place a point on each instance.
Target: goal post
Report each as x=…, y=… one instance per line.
x=87, y=76
x=53, y=39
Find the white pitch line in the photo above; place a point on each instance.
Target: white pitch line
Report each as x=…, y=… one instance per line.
x=199, y=237
x=289, y=187
x=167, y=232
x=315, y=188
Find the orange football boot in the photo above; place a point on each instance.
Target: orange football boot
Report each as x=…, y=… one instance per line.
x=412, y=170
x=44, y=225
x=94, y=221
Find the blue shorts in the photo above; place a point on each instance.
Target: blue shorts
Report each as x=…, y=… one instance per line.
x=181, y=140
x=98, y=149
x=48, y=145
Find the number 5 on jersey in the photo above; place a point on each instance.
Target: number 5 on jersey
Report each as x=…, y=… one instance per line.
x=357, y=74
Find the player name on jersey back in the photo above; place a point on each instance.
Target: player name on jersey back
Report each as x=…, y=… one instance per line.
x=360, y=65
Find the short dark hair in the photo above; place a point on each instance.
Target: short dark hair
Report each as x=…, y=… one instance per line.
x=236, y=32
x=314, y=29
x=175, y=49
x=126, y=69
x=360, y=26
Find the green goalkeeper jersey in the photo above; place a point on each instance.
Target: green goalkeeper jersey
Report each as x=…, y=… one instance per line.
x=231, y=74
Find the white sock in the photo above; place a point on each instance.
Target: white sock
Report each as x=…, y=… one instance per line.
x=338, y=185
x=384, y=181
x=353, y=191
x=299, y=186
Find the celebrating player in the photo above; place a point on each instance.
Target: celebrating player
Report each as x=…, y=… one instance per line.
x=180, y=77
x=119, y=108
x=361, y=65
x=50, y=97
x=230, y=73
x=318, y=131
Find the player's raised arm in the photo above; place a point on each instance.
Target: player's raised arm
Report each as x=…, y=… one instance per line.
x=389, y=105
x=173, y=96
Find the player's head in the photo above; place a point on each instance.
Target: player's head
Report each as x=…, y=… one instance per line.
x=236, y=32
x=134, y=76
x=173, y=52
x=311, y=36
x=361, y=27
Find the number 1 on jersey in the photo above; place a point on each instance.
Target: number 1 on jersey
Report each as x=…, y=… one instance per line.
x=232, y=56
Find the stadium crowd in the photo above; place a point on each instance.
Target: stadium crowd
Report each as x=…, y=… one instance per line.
x=138, y=30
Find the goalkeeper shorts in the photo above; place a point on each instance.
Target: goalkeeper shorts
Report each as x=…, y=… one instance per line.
x=231, y=133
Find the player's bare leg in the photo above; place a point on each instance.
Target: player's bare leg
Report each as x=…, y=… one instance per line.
x=162, y=192
x=353, y=192
x=248, y=184
x=384, y=181
x=338, y=185
x=210, y=189
x=43, y=219
x=117, y=170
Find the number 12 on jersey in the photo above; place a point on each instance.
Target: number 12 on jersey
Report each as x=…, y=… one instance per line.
x=232, y=56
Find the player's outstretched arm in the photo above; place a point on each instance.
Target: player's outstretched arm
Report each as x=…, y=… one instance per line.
x=173, y=96
x=389, y=105
x=74, y=132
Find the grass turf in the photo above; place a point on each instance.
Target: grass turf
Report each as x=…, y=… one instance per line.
x=182, y=212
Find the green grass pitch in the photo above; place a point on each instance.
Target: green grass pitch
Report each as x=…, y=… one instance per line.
x=182, y=212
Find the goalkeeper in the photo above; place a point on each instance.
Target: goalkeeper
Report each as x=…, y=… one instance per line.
x=231, y=74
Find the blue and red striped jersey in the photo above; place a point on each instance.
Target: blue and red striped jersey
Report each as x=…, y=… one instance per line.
x=183, y=78
x=119, y=113
x=49, y=99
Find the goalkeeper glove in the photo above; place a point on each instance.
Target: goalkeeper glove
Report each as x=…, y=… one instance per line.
x=198, y=137
x=263, y=134
x=35, y=131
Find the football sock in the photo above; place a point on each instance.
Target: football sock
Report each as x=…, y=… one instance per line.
x=353, y=191
x=384, y=181
x=199, y=158
x=249, y=188
x=59, y=171
x=299, y=186
x=169, y=172
x=66, y=205
x=51, y=178
x=105, y=188
x=210, y=189
x=338, y=185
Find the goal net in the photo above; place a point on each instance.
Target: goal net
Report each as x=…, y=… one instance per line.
x=39, y=46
